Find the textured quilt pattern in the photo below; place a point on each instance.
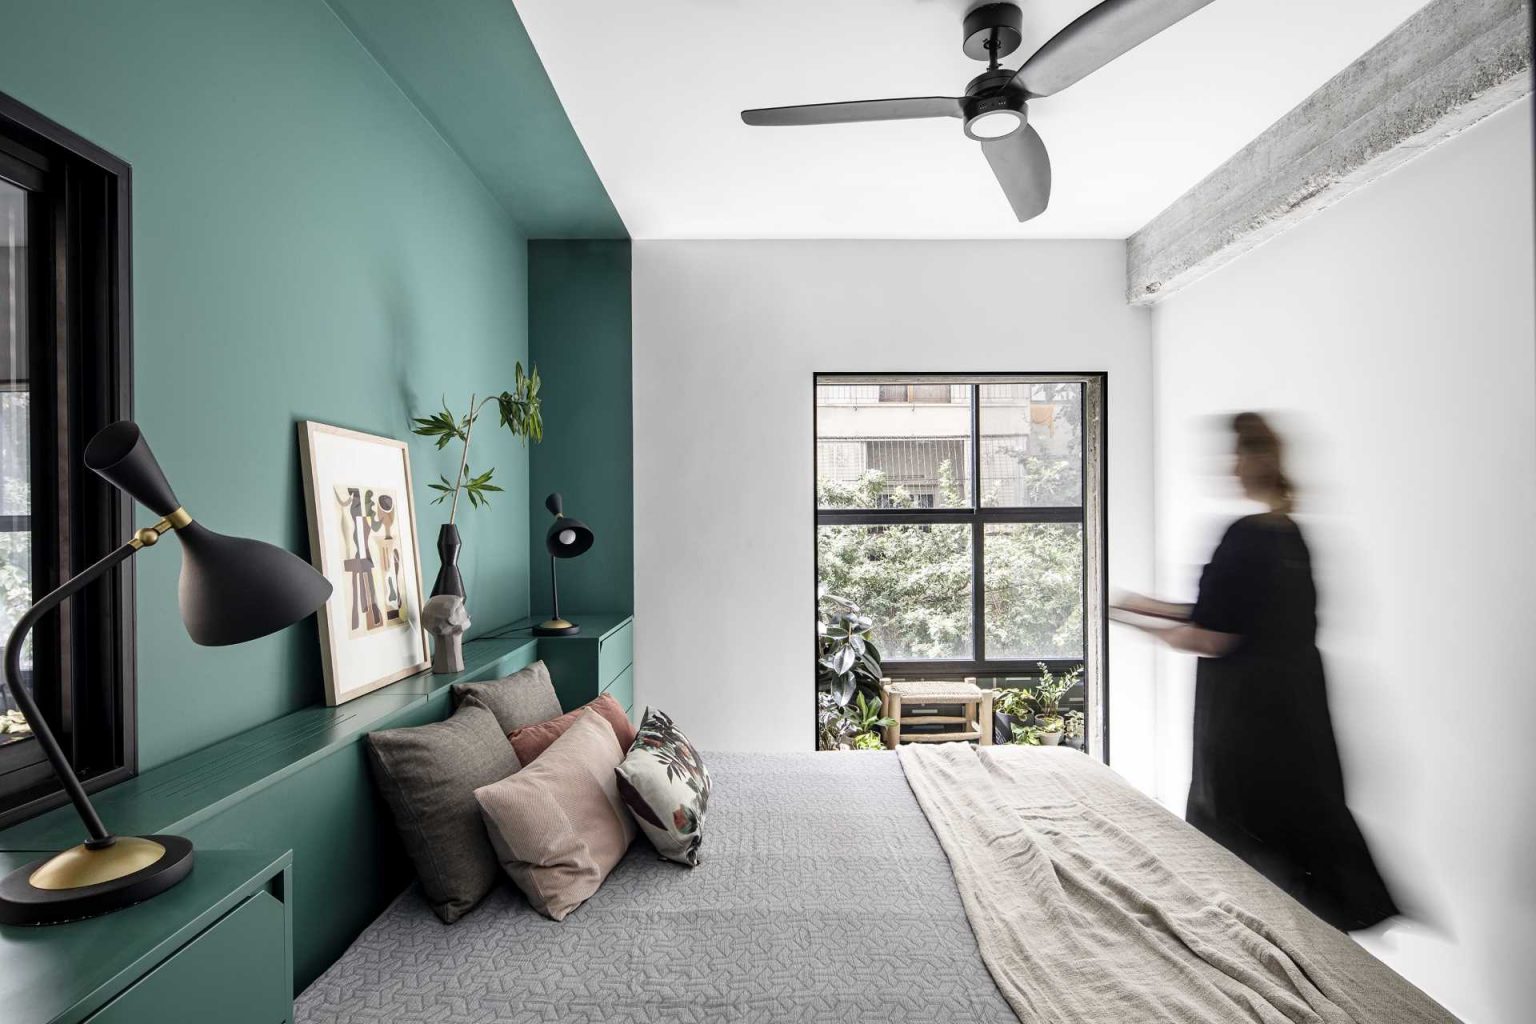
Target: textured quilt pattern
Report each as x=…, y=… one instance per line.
x=825, y=897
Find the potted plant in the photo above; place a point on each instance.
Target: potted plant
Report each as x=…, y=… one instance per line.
x=846, y=656
x=1010, y=708
x=1050, y=730
x=868, y=719
x=1047, y=694
x=520, y=414
x=1025, y=736
x=834, y=723
x=1073, y=732
x=847, y=665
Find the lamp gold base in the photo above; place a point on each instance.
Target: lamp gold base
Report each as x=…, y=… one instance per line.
x=83, y=882
x=81, y=866
x=556, y=627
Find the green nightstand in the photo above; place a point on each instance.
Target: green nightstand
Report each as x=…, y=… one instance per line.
x=217, y=947
x=599, y=659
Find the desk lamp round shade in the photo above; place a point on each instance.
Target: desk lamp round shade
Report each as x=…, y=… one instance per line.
x=567, y=537
x=232, y=589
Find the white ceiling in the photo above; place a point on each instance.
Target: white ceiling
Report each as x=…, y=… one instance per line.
x=654, y=91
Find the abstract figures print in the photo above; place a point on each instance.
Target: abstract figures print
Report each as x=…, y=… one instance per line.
x=369, y=537
x=362, y=536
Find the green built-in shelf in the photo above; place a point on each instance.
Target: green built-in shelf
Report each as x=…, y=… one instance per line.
x=176, y=797
x=217, y=946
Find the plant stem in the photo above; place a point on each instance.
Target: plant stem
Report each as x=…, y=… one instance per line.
x=458, y=481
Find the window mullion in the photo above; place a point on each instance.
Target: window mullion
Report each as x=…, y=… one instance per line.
x=978, y=536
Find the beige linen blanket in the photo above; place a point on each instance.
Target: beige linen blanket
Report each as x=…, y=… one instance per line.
x=1091, y=903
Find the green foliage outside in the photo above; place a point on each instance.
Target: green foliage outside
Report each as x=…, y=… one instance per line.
x=914, y=582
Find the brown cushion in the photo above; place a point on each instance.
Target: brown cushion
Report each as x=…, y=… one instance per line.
x=535, y=739
x=523, y=698
x=558, y=826
x=428, y=776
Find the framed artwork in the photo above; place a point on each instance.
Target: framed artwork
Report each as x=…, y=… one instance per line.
x=362, y=537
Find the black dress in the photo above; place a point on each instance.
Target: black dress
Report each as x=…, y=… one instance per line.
x=1266, y=782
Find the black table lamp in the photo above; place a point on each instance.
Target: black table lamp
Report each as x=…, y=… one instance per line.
x=566, y=538
x=232, y=590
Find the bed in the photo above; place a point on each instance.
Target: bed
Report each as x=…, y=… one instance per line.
x=949, y=883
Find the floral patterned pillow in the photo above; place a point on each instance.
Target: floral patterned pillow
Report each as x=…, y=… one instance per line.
x=666, y=787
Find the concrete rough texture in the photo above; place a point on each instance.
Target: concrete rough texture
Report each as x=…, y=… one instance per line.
x=1447, y=67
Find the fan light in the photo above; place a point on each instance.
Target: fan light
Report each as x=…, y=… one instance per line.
x=994, y=124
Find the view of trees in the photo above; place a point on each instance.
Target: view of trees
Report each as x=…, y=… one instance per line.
x=914, y=581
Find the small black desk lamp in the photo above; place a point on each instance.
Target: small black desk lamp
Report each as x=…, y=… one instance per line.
x=566, y=538
x=232, y=590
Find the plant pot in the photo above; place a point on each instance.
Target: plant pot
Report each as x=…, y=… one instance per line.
x=1002, y=727
x=448, y=579
x=1050, y=739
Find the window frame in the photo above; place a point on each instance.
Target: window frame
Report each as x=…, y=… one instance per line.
x=1090, y=514
x=80, y=378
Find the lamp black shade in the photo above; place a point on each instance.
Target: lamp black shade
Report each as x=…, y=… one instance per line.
x=121, y=455
x=568, y=537
x=234, y=589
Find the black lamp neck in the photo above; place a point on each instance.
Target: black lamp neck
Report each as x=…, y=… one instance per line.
x=554, y=585
x=99, y=836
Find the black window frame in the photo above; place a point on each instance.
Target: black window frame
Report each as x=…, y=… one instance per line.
x=80, y=375
x=1090, y=513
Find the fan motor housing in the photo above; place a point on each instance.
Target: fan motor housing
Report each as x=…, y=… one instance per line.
x=1003, y=23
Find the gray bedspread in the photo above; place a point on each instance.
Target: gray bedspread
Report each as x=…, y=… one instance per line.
x=824, y=896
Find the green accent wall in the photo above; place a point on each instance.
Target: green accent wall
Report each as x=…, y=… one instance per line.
x=306, y=245
x=579, y=334
x=472, y=70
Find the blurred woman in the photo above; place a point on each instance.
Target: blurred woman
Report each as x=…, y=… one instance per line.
x=1266, y=781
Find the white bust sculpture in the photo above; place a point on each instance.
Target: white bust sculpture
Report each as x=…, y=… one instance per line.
x=446, y=618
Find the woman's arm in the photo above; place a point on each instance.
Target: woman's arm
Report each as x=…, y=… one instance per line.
x=1140, y=604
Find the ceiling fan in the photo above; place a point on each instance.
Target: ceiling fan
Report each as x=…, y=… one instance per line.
x=995, y=107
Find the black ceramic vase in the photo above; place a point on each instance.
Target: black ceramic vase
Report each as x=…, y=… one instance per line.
x=448, y=579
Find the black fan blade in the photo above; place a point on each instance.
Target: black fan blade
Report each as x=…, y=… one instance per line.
x=858, y=110
x=1098, y=37
x=1023, y=168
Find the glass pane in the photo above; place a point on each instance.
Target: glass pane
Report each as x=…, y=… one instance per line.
x=1031, y=445
x=913, y=581
x=893, y=446
x=15, y=452
x=1034, y=590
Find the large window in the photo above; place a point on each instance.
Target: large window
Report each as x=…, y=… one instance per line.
x=64, y=374
x=964, y=515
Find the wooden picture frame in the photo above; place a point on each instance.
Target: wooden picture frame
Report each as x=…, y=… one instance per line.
x=361, y=510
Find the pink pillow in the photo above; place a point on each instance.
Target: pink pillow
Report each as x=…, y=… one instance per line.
x=558, y=826
x=532, y=740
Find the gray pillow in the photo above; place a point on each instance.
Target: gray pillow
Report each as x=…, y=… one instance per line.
x=428, y=775
x=524, y=698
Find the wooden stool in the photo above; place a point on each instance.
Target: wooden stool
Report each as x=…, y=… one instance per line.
x=975, y=718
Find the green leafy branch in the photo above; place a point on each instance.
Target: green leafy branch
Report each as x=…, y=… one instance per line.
x=520, y=413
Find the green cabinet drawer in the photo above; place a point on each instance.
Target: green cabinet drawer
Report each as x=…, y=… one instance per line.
x=616, y=654
x=236, y=972
x=622, y=690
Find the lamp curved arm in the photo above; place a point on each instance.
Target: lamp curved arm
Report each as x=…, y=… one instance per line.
x=40, y=731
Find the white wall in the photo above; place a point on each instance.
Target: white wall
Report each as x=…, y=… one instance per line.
x=727, y=336
x=1396, y=330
